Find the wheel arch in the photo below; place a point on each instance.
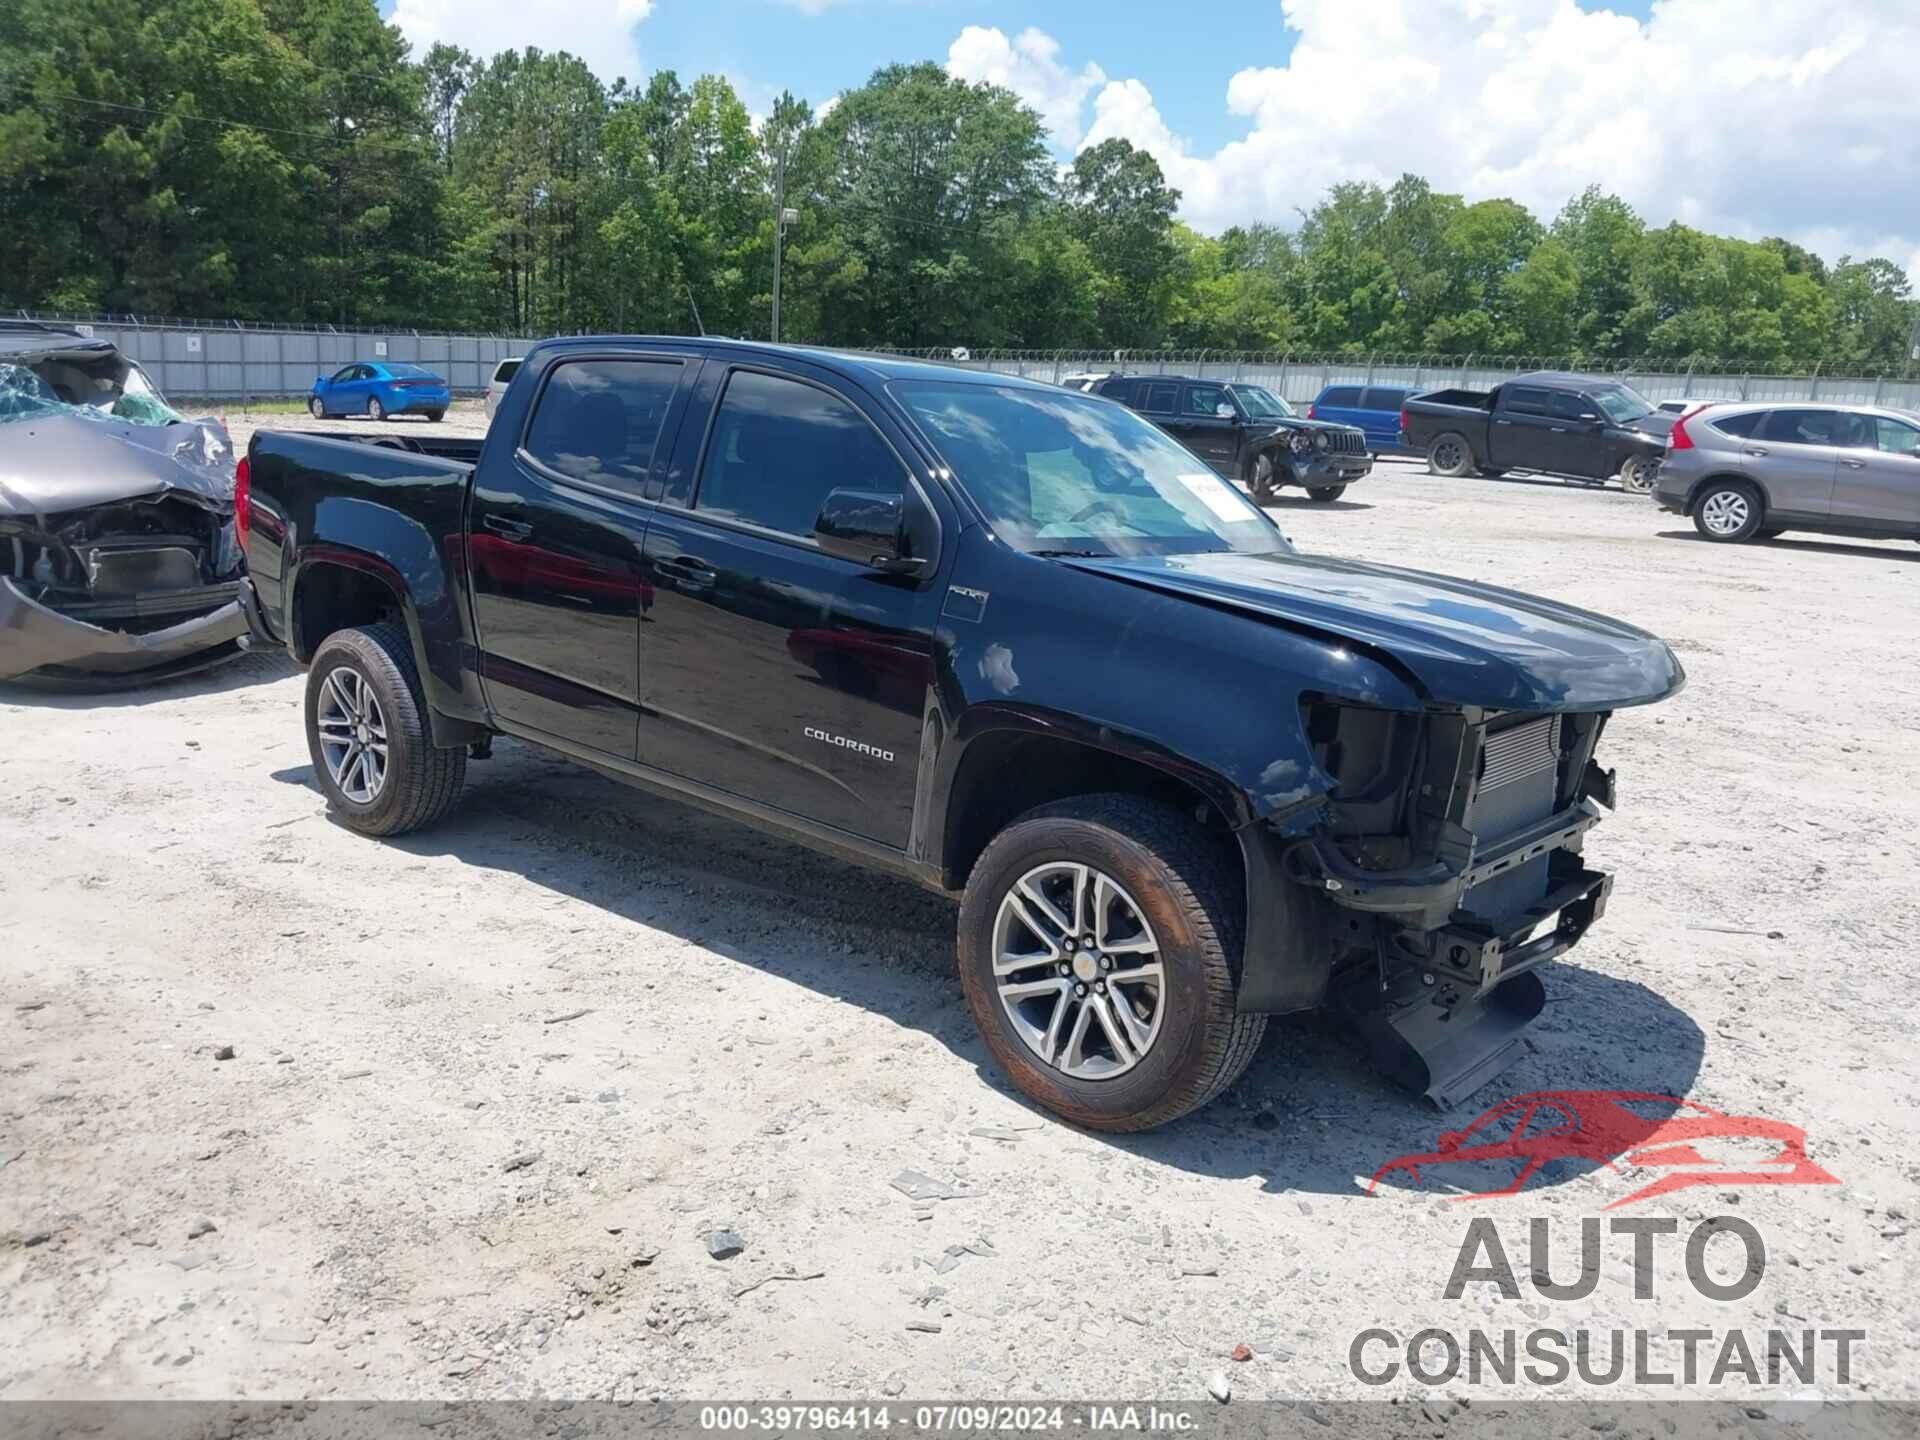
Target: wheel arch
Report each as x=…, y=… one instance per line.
x=1736, y=477
x=338, y=588
x=1008, y=769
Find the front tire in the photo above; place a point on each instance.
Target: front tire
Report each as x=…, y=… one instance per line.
x=367, y=733
x=1450, y=455
x=1141, y=1027
x=375, y=410
x=1636, y=476
x=315, y=408
x=1325, y=494
x=1728, y=512
x=434, y=416
x=1260, y=478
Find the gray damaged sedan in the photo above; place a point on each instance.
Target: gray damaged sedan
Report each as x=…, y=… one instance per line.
x=118, y=561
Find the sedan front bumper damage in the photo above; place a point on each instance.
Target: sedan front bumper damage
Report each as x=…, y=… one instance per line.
x=36, y=638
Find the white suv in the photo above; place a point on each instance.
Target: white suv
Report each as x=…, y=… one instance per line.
x=497, y=386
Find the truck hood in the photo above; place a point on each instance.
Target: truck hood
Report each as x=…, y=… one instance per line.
x=1265, y=429
x=1462, y=643
x=1659, y=424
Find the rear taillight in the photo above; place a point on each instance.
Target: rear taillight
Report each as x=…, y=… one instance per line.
x=1677, y=438
x=242, y=500
x=1310, y=414
x=1403, y=420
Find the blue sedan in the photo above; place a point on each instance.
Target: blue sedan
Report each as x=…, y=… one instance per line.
x=377, y=389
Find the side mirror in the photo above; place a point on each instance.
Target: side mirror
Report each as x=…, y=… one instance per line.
x=866, y=527
x=1225, y=412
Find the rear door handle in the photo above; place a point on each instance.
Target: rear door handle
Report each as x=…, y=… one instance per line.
x=1503, y=422
x=1854, y=464
x=1558, y=429
x=1754, y=450
x=511, y=529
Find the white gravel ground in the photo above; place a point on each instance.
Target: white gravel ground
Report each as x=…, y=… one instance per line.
x=493, y=1086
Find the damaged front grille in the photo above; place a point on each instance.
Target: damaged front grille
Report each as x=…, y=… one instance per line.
x=138, y=559
x=1520, y=752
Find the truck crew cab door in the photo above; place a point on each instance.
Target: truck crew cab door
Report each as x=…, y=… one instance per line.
x=1200, y=427
x=1520, y=432
x=769, y=668
x=1578, y=440
x=554, y=532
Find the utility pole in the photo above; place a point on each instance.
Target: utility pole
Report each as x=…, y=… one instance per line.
x=782, y=217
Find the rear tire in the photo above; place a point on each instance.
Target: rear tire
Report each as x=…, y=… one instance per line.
x=375, y=410
x=418, y=782
x=1450, y=455
x=1728, y=512
x=315, y=408
x=1162, y=870
x=1325, y=494
x=1768, y=534
x=434, y=416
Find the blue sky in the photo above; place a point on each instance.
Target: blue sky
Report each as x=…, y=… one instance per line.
x=1745, y=117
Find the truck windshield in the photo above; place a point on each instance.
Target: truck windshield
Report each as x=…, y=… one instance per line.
x=1623, y=403
x=1262, y=404
x=1058, y=473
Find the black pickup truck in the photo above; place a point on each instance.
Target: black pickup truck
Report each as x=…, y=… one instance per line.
x=1581, y=427
x=994, y=636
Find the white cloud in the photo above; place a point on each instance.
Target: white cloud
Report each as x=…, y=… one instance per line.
x=1746, y=117
x=600, y=32
x=1029, y=65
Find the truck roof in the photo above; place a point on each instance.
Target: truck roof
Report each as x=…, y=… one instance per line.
x=854, y=364
x=1562, y=377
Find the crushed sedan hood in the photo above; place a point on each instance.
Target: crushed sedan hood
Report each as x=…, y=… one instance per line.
x=1463, y=643
x=60, y=462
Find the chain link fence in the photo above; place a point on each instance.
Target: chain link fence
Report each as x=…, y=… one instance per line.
x=227, y=359
x=1299, y=377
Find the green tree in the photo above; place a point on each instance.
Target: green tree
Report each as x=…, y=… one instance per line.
x=1123, y=208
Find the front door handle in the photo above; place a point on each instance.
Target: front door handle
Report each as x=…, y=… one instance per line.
x=690, y=571
x=1755, y=451
x=1503, y=422
x=1854, y=464
x=511, y=529
x=1558, y=429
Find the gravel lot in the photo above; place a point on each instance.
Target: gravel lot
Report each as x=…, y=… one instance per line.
x=493, y=1086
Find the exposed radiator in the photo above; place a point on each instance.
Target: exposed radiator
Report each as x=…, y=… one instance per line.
x=1520, y=752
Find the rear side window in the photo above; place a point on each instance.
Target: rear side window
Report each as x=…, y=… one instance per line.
x=1738, y=426
x=1525, y=399
x=1160, y=399
x=1378, y=398
x=599, y=420
x=1896, y=437
x=1346, y=397
x=1807, y=427
x=778, y=446
x=508, y=369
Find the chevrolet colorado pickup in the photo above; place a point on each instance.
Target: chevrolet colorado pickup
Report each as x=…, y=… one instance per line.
x=1006, y=640
x=1581, y=427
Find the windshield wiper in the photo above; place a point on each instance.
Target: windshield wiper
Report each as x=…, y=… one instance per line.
x=1071, y=554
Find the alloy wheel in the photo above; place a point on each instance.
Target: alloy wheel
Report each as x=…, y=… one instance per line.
x=1446, y=455
x=1725, y=512
x=353, y=735
x=1078, y=970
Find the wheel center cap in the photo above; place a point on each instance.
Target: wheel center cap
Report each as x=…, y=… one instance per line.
x=361, y=734
x=1084, y=967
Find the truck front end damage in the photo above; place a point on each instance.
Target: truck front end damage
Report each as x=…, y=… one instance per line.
x=1447, y=862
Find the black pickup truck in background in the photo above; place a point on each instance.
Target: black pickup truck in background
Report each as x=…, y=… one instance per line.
x=1007, y=641
x=1580, y=427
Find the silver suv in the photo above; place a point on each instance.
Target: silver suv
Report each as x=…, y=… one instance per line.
x=1746, y=472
